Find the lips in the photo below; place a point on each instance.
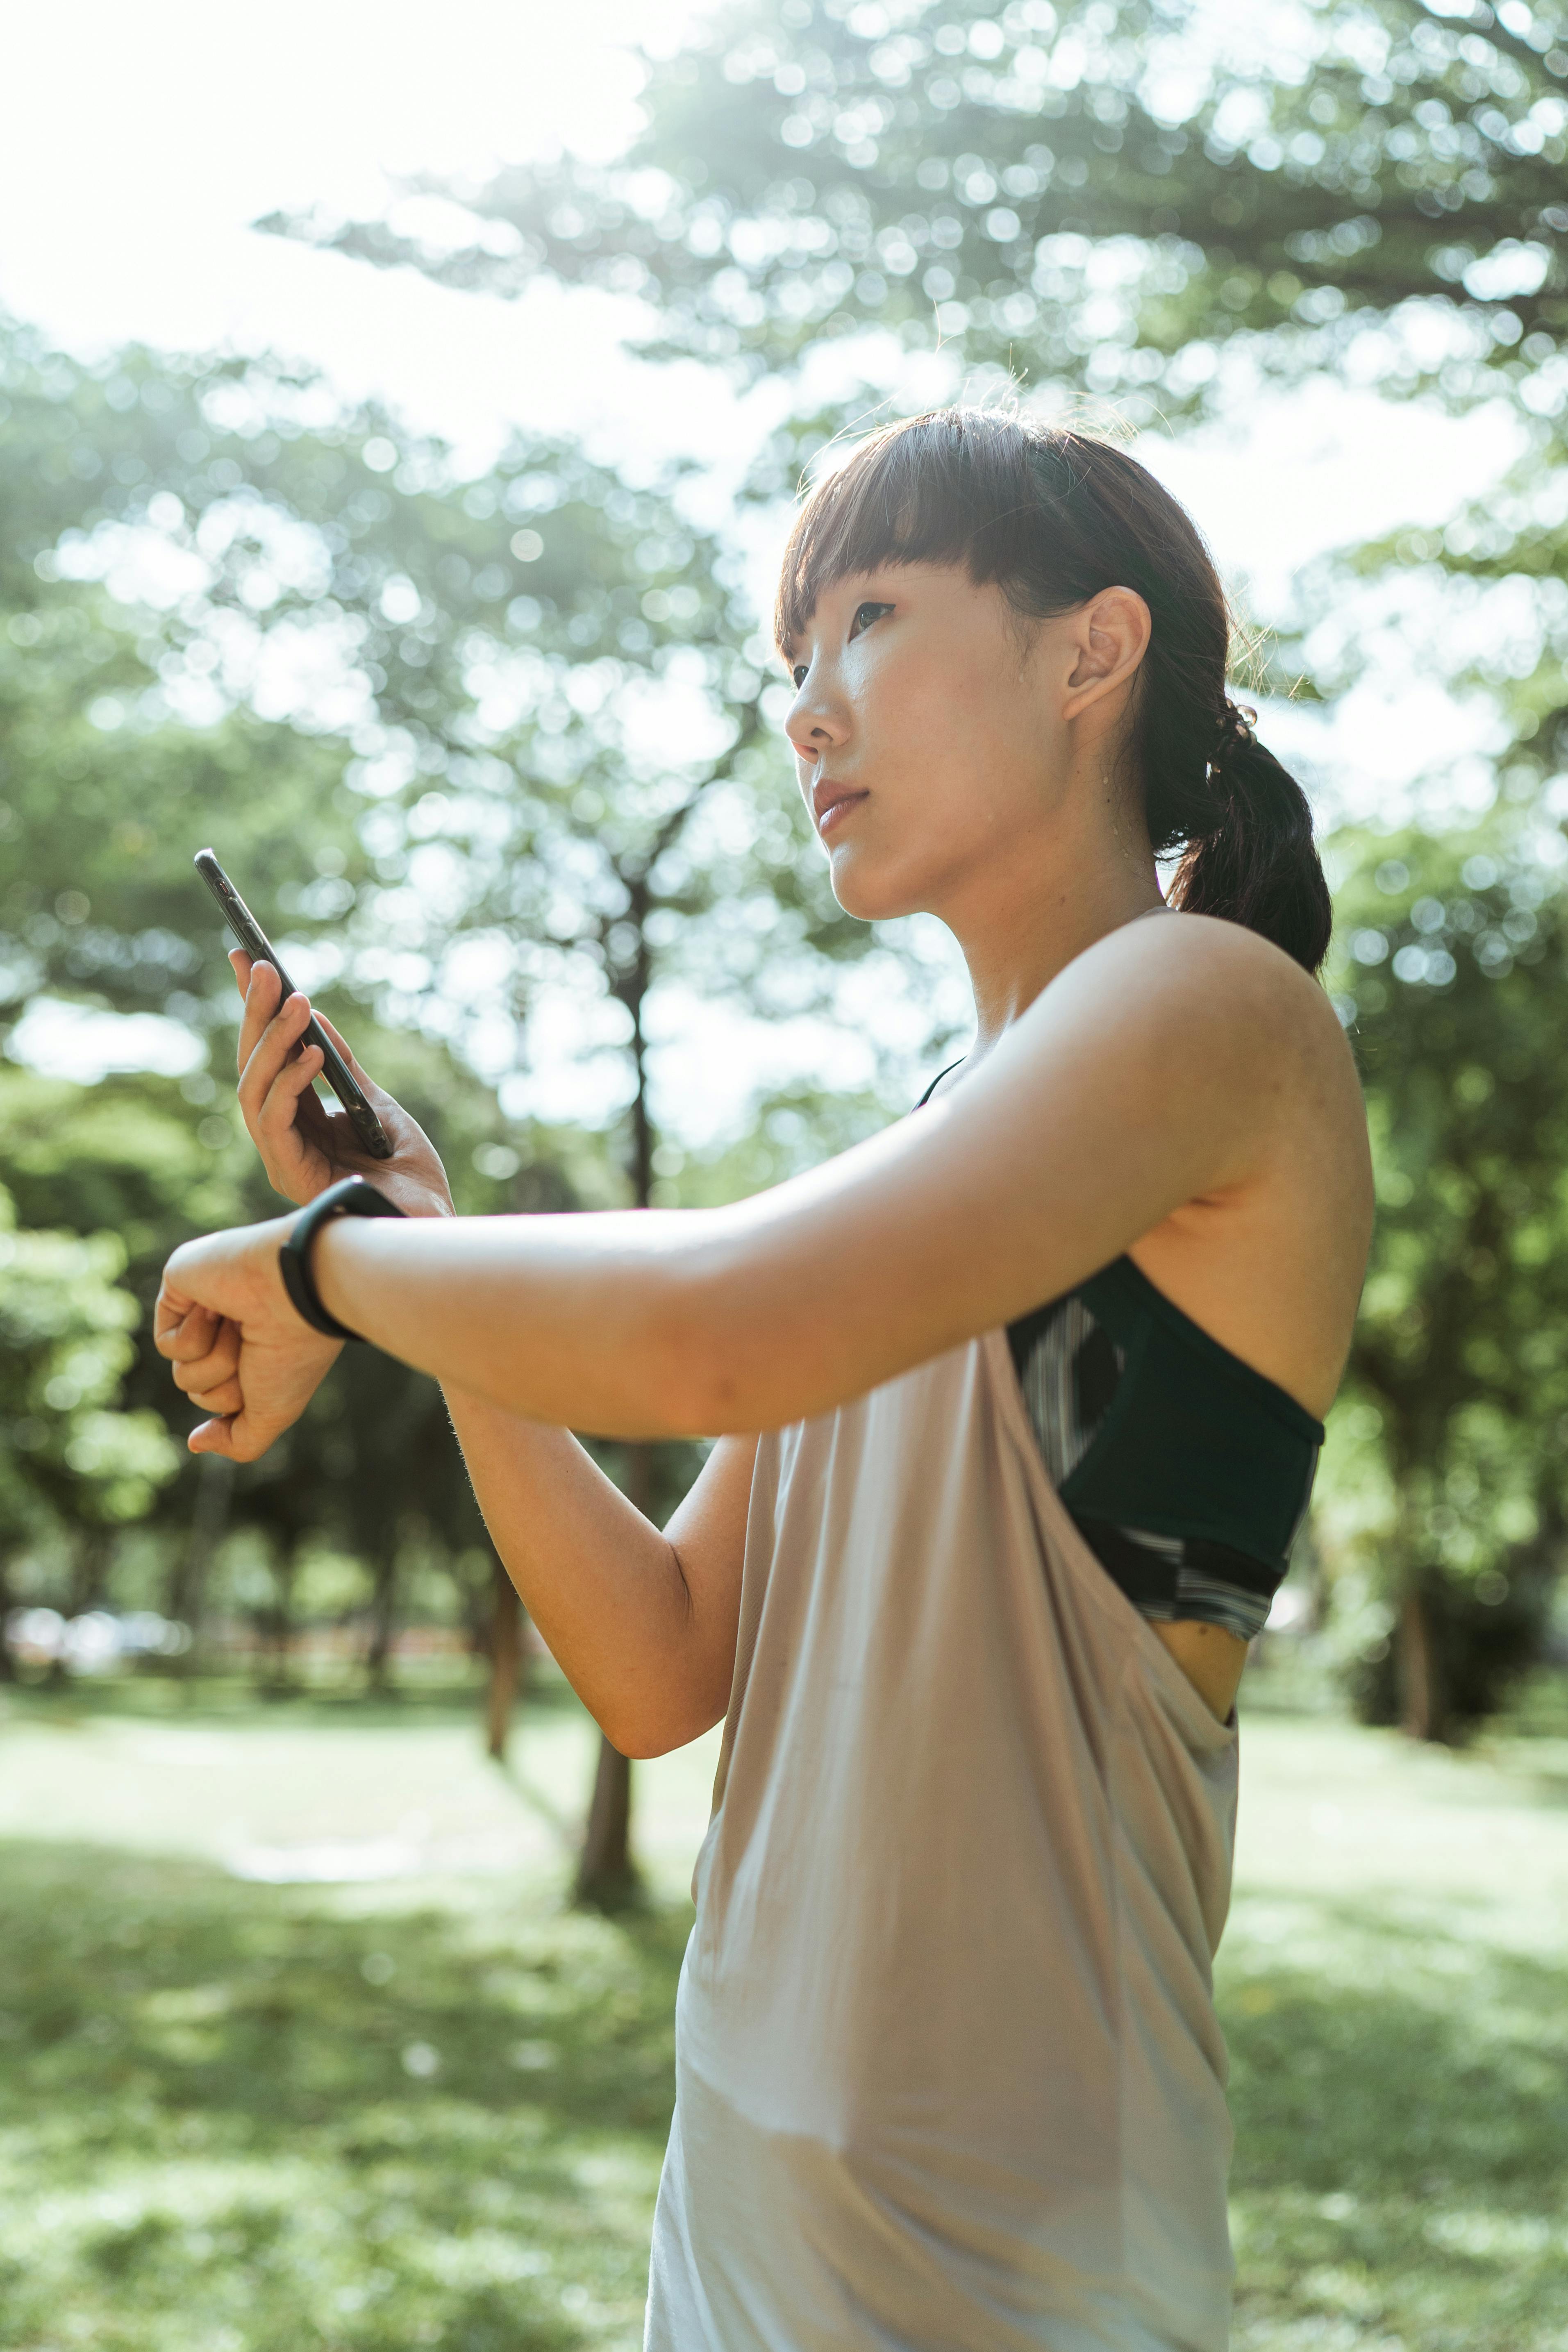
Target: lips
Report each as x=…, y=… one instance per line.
x=831, y=802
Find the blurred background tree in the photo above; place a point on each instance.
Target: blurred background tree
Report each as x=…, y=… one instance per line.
x=1446, y=1486
x=71, y=1466
x=535, y=775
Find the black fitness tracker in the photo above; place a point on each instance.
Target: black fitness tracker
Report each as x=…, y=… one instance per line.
x=351, y=1198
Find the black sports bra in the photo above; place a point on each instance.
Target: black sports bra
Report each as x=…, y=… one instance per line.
x=1187, y=1473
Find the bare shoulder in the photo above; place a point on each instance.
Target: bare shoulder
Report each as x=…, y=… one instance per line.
x=1198, y=984
x=1243, y=973
x=1224, y=1029
x=1239, y=1038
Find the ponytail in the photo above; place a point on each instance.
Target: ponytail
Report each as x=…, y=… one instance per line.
x=1255, y=863
x=1054, y=519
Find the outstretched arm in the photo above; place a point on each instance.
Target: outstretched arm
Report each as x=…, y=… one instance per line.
x=1171, y=1065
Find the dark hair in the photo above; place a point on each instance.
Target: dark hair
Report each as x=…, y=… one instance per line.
x=1054, y=517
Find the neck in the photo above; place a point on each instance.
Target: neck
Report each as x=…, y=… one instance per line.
x=1022, y=922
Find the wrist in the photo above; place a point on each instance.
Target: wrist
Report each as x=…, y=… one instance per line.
x=351, y=1198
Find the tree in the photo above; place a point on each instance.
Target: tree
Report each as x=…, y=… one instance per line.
x=1446, y=1462
x=1111, y=196
x=505, y=1634
x=951, y=169
x=531, y=767
x=1132, y=201
x=68, y=1460
x=135, y=1161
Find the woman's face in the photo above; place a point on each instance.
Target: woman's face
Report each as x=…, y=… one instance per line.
x=931, y=734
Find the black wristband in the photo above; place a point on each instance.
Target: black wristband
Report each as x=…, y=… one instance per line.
x=353, y=1198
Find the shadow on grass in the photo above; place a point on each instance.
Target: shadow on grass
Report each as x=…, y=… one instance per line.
x=239, y=2118
x=234, y=2116
x=1402, y=2143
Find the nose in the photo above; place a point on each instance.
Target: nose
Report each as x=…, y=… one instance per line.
x=813, y=723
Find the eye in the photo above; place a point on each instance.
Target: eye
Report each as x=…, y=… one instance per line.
x=797, y=675
x=864, y=616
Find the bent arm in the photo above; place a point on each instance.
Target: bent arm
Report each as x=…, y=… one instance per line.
x=642, y=1625
x=1148, y=1076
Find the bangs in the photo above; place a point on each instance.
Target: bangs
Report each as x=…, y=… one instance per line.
x=959, y=487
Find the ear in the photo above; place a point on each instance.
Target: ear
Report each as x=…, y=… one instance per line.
x=1110, y=637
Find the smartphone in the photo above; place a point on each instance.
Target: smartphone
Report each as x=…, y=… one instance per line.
x=259, y=948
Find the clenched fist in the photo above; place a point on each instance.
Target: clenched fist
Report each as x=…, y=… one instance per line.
x=239, y=1350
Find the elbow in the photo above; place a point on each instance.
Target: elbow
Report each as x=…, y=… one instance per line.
x=647, y=1748
x=643, y=1733
x=668, y=1705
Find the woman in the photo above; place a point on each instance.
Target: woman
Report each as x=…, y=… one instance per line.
x=1040, y=1374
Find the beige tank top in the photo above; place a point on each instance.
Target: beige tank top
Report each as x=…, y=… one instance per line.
x=948, y=2077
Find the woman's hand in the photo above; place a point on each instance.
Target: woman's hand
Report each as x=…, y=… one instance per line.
x=239, y=1350
x=304, y=1145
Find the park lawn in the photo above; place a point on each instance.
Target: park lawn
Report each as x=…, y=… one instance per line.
x=1393, y=1988
x=428, y=2108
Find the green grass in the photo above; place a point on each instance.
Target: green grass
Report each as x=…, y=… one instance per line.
x=1395, y=1993
x=428, y=2109
x=242, y=2119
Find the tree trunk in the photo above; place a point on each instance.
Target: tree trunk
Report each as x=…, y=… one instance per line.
x=606, y=1876
x=506, y=1664
x=90, y=1571
x=382, y=1613
x=1421, y=1708
x=606, y=1880
x=8, y=1663
x=278, y=1670
x=209, y=1524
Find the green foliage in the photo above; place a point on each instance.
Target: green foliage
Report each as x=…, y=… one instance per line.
x=489, y=738
x=66, y=1454
x=1445, y=1473
x=1117, y=198
x=542, y=773
x=467, y=746
x=949, y=170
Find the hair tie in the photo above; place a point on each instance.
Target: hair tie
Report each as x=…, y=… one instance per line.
x=1236, y=727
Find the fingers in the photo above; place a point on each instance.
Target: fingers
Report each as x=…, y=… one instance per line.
x=198, y=1375
x=377, y=1092
x=218, y=1437
x=276, y=1053
x=235, y=1347
x=204, y=1349
x=262, y=990
x=228, y=1398
x=182, y=1330
x=272, y=1120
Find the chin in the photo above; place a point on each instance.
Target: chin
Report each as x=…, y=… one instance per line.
x=872, y=890
x=865, y=892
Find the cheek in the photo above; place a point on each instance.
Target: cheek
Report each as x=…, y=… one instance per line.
x=913, y=727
